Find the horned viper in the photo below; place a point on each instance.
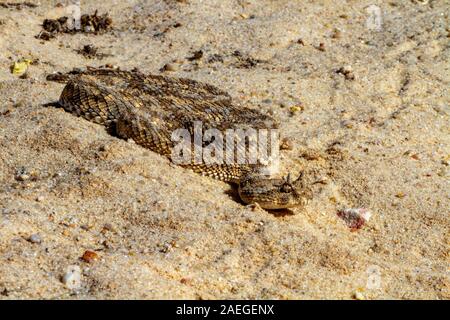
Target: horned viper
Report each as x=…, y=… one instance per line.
x=148, y=108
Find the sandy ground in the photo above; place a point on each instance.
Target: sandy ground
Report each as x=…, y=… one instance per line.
x=365, y=104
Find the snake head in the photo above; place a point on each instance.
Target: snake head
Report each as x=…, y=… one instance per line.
x=299, y=193
x=275, y=193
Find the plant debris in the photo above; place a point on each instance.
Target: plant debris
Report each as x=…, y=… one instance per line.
x=245, y=61
x=20, y=67
x=90, y=51
x=215, y=58
x=196, y=55
x=93, y=23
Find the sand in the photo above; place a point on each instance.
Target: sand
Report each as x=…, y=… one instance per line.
x=363, y=97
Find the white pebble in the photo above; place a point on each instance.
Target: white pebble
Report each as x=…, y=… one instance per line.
x=358, y=295
x=72, y=277
x=35, y=238
x=23, y=177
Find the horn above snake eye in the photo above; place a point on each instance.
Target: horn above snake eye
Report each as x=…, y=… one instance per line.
x=288, y=178
x=300, y=177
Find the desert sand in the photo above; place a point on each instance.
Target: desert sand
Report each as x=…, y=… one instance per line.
x=361, y=89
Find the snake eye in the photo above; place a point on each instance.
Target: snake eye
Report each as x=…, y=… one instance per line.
x=286, y=187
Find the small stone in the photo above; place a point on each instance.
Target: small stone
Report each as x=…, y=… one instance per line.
x=296, y=108
x=348, y=124
x=358, y=295
x=89, y=256
x=286, y=144
x=336, y=34
x=400, y=195
x=107, y=227
x=35, y=238
x=355, y=218
x=169, y=67
x=25, y=75
x=72, y=277
x=40, y=198
x=311, y=155
x=22, y=177
x=321, y=47
x=86, y=227
x=347, y=72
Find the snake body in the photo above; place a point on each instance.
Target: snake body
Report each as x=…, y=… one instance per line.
x=148, y=108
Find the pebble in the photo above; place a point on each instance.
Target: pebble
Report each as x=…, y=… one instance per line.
x=358, y=295
x=347, y=124
x=286, y=144
x=321, y=47
x=107, y=227
x=355, y=218
x=89, y=256
x=86, y=227
x=22, y=177
x=400, y=194
x=72, y=277
x=170, y=67
x=296, y=108
x=35, y=238
x=347, y=72
x=336, y=34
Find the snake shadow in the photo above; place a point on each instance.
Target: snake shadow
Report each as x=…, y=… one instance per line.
x=233, y=193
